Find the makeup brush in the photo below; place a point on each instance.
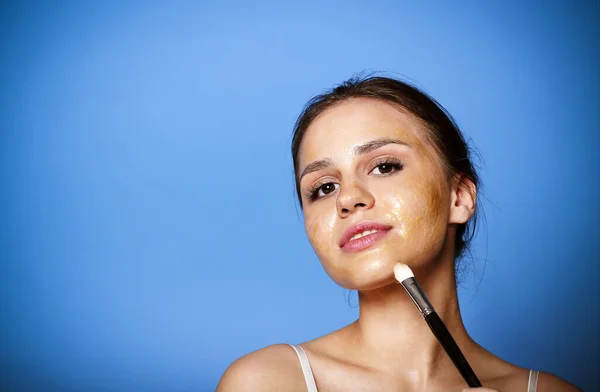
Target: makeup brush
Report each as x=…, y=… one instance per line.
x=405, y=276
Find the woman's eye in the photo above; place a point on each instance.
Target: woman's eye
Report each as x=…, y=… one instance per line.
x=386, y=168
x=326, y=188
x=323, y=190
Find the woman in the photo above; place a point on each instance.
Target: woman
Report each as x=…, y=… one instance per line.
x=383, y=176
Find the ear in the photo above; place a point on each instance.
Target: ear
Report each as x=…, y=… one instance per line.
x=463, y=198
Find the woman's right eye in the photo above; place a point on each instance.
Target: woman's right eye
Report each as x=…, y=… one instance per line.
x=324, y=190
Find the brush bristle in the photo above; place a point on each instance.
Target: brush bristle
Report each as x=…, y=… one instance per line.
x=402, y=272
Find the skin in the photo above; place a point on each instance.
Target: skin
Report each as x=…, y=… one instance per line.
x=389, y=347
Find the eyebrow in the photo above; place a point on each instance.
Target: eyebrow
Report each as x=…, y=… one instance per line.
x=358, y=150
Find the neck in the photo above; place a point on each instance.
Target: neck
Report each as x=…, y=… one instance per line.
x=393, y=332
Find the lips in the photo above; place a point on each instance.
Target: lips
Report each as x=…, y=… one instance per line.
x=370, y=232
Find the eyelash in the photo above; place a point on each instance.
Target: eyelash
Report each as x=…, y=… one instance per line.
x=312, y=193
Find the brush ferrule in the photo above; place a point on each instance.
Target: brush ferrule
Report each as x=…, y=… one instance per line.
x=418, y=296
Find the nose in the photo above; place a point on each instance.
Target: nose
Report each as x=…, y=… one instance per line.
x=352, y=198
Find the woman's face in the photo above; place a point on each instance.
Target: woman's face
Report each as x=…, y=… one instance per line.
x=367, y=168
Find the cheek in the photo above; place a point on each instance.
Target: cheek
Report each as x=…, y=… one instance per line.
x=419, y=214
x=432, y=222
x=399, y=214
x=319, y=229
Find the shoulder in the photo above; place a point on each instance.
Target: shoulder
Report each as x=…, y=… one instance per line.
x=273, y=368
x=548, y=382
x=501, y=375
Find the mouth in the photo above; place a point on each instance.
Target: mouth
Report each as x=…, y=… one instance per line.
x=362, y=236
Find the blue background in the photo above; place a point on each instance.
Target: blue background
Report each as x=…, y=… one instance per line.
x=149, y=234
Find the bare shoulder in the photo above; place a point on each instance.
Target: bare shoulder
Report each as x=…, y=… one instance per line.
x=514, y=378
x=501, y=375
x=273, y=368
x=548, y=382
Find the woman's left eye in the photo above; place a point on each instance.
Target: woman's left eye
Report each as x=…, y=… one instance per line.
x=384, y=168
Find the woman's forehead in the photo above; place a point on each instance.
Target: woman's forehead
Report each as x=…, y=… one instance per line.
x=340, y=129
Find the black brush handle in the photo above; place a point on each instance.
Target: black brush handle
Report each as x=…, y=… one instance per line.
x=447, y=341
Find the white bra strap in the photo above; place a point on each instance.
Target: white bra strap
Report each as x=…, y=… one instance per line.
x=533, y=379
x=306, y=370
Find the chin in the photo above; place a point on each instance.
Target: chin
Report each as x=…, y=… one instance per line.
x=362, y=275
x=375, y=269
